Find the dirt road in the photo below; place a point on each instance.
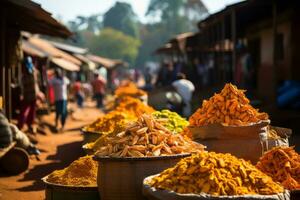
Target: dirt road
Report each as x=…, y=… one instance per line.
x=58, y=151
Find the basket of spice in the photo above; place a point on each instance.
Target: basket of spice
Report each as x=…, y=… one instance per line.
x=130, y=89
x=283, y=165
x=227, y=123
x=145, y=147
x=215, y=176
x=77, y=182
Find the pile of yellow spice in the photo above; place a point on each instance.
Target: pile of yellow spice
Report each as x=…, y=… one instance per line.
x=215, y=174
x=133, y=106
x=113, y=121
x=81, y=172
x=129, y=89
x=229, y=107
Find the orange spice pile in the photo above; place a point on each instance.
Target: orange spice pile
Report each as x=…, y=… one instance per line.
x=129, y=89
x=229, y=107
x=283, y=165
x=113, y=121
x=133, y=106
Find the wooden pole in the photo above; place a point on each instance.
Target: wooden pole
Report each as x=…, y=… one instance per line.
x=233, y=38
x=274, y=68
x=2, y=57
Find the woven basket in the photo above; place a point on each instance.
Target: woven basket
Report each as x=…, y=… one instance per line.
x=63, y=192
x=122, y=178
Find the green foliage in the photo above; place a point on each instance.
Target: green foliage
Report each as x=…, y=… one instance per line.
x=121, y=17
x=115, y=44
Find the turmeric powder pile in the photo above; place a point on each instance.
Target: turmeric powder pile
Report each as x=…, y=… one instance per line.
x=229, y=107
x=133, y=106
x=114, y=121
x=283, y=165
x=215, y=174
x=129, y=89
x=81, y=172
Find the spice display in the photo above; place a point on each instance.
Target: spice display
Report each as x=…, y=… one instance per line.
x=229, y=107
x=145, y=137
x=81, y=172
x=283, y=165
x=129, y=89
x=114, y=121
x=215, y=174
x=133, y=106
x=171, y=120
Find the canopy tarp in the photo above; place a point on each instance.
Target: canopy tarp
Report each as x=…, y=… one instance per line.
x=65, y=64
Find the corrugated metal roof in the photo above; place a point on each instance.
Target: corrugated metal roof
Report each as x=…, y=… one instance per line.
x=29, y=16
x=45, y=46
x=69, y=48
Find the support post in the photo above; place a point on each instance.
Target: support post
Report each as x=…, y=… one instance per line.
x=233, y=38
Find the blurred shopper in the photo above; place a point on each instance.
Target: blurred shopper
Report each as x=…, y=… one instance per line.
x=79, y=93
x=148, y=79
x=99, y=85
x=185, y=89
x=59, y=84
x=29, y=94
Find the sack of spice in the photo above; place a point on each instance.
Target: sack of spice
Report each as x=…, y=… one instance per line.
x=171, y=120
x=226, y=122
x=209, y=175
x=142, y=138
x=80, y=173
x=283, y=165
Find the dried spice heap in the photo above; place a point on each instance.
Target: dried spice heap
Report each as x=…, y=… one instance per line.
x=114, y=121
x=229, y=107
x=133, y=106
x=81, y=172
x=129, y=89
x=215, y=174
x=283, y=165
x=171, y=120
x=145, y=137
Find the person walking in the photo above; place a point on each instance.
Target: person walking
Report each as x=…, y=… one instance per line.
x=79, y=94
x=185, y=89
x=99, y=84
x=59, y=84
x=29, y=93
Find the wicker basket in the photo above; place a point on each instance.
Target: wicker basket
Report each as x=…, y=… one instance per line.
x=154, y=194
x=122, y=178
x=63, y=192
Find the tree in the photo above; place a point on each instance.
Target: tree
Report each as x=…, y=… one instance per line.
x=115, y=44
x=121, y=17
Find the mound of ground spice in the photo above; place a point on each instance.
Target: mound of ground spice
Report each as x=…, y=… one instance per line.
x=81, y=172
x=216, y=174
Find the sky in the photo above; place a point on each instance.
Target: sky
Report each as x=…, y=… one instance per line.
x=68, y=9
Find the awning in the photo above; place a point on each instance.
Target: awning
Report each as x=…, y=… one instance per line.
x=32, y=50
x=69, y=48
x=91, y=64
x=29, y=16
x=45, y=46
x=65, y=64
x=106, y=62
